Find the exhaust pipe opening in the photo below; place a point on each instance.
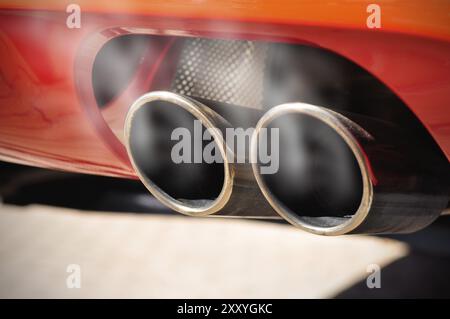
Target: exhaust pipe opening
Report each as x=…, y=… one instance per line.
x=322, y=184
x=193, y=187
x=318, y=173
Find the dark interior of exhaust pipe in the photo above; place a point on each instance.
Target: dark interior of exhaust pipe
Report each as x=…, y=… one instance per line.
x=151, y=145
x=318, y=176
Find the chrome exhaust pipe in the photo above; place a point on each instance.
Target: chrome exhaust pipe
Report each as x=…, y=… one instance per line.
x=194, y=188
x=335, y=177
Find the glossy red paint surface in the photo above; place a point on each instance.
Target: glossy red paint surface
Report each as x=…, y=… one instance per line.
x=417, y=17
x=48, y=115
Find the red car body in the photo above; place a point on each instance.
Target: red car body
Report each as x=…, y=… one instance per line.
x=48, y=113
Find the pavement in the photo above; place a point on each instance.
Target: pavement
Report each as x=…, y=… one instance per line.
x=125, y=255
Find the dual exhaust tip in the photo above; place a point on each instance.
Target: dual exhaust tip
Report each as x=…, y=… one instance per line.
x=326, y=182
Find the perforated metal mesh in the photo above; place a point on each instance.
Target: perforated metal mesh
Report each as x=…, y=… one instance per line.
x=229, y=71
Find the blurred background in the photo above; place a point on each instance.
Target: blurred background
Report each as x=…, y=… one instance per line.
x=128, y=245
